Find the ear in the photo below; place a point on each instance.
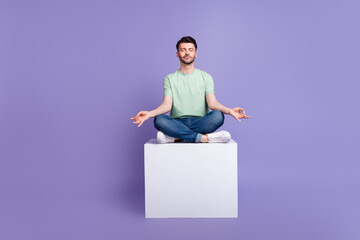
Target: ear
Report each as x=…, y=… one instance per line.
x=177, y=54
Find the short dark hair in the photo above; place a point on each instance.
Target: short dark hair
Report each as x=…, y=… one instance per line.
x=186, y=39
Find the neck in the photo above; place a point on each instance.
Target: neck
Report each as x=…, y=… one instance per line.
x=186, y=69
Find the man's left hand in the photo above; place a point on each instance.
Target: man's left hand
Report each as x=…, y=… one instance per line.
x=238, y=113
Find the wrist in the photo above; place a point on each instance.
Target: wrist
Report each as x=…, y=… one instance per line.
x=228, y=110
x=152, y=114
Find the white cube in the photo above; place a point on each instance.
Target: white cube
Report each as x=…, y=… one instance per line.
x=191, y=180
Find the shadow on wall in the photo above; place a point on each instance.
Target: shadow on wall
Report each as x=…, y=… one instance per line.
x=130, y=189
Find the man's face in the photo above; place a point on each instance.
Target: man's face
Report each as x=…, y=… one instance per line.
x=186, y=53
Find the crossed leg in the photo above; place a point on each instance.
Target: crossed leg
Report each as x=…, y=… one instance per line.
x=177, y=128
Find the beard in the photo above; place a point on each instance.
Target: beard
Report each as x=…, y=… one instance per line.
x=187, y=62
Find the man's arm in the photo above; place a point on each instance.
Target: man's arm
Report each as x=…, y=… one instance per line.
x=213, y=104
x=164, y=107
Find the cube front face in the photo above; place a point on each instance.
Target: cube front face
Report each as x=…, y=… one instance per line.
x=191, y=180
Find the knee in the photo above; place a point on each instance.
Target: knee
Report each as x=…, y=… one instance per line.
x=159, y=121
x=218, y=117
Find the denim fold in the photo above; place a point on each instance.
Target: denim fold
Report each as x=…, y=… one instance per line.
x=189, y=129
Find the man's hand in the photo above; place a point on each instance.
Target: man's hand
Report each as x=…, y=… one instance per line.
x=141, y=117
x=238, y=113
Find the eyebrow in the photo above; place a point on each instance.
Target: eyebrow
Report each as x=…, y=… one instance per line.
x=188, y=48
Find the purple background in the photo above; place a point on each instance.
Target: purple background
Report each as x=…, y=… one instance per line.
x=74, y=72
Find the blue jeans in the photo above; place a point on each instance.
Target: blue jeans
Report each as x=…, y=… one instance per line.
x=189, y=129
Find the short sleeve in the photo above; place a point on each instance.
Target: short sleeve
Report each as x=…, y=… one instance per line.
x=167, y=87
x=209, y=84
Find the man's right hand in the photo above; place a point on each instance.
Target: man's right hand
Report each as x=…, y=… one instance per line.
x=141, y=117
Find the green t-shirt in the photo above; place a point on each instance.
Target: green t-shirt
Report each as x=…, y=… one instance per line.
x=188, y=92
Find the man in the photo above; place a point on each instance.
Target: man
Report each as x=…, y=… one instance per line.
x=189, y=93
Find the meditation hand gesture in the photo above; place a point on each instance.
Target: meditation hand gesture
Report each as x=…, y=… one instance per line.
x=238, y=113
x=141, y=117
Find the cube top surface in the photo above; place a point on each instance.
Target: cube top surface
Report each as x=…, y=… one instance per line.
x=154, y=141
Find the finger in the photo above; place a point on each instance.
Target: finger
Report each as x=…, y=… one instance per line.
x=140, y=124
